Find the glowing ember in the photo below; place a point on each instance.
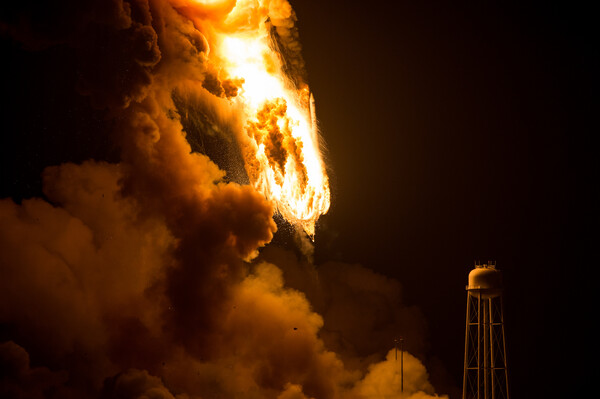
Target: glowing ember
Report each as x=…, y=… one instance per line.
x=282, y=153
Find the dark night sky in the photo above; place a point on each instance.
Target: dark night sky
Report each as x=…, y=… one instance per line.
x=455, y=132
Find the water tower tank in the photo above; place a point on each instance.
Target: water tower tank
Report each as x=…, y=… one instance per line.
x=485, y=280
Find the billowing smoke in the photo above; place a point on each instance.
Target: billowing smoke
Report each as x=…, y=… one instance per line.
x=141, y=278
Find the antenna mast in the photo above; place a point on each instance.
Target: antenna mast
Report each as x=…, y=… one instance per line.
x=400, y=341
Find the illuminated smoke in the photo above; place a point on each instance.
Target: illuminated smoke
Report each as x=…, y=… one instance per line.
x=254, y=62
x=136, y=279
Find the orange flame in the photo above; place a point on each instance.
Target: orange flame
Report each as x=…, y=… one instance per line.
x=282, y=154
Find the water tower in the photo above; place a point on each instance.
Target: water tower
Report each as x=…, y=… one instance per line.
x=485, y=372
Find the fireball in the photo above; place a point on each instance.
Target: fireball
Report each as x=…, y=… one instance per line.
x=280, y=144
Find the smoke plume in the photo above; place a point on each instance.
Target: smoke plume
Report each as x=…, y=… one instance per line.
x=142, y=277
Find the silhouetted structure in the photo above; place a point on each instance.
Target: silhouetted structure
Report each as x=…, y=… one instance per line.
x=485, y=371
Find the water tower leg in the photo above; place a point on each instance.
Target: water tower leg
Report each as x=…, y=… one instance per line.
x=467, y=332
x=486, y=345
x=504, y=348
x=479, y=360
x=492, y=343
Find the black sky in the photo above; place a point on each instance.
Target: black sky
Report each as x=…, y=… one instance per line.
x=455, y=133
x=458, y=132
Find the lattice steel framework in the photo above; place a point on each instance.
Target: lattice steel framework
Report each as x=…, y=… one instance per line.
x=485, y=371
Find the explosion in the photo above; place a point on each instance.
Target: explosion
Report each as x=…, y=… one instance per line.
x=281, y=143
x=141, y=276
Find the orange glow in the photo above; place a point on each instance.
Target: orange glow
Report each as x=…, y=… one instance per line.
x=281, y=149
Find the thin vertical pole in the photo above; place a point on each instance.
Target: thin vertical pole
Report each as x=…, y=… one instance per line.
x=401, y=341
x=401, y=364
